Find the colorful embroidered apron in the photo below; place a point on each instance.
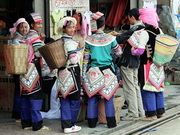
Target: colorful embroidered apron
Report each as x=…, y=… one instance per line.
x=105, y=83
x=29, y=80
x=65, y=82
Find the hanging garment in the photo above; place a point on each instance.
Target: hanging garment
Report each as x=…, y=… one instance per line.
x=56, y=16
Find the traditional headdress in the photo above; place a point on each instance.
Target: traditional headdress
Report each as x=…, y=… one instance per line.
x=64, y=21
x=36, y=17
x=14, y=29
x=149, y=16
x=97, y=21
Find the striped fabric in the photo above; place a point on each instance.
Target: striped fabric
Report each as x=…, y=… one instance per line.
x=97, y=15
x=100, y=39
x=34, y=39
x=36, y=17
x=93, y=25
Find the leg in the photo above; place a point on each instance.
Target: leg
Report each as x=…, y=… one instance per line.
x=129, y=91
x=35, y=114
x=92, y=112
x=110, y=113
x=160, y=103
x=25, y=113
x=75, y=106
x=149, y=103
x=17, y=99
x=65, y=113
x=138, y=94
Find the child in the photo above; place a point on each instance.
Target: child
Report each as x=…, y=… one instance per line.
x=69, y=90
x=31, y=94
x=18, y=34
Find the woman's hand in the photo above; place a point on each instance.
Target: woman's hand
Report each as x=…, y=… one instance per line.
x=114, y=33
x=42, y=36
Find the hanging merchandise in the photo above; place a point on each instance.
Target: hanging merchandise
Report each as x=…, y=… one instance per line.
x=56, y=16
x=78, y=18
x=86, y=25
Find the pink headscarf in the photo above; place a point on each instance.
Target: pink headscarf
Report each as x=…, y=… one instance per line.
x=149, y=16
x=14, y=29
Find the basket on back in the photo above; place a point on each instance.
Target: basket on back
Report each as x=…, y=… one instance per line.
x=16, y=56
x=165, y=48
x=54, y=54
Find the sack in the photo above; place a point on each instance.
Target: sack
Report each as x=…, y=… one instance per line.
x=165, y=48
x=54, y=54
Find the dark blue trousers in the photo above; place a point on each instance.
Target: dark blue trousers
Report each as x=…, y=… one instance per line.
x=92, y=112
x=69, y=112
x=153, y=103
x=30, y=113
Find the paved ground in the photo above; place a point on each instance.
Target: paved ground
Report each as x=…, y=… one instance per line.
x=9, y=127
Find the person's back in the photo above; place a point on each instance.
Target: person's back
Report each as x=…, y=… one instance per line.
x=98, y=72
x=129, y=64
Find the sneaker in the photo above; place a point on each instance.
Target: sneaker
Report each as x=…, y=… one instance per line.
x=129, y=118
x=72, y=129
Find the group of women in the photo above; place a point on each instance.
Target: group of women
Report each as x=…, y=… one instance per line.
x=96, y=74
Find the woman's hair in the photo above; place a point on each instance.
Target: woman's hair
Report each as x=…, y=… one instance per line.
x=134, y=12
x=100, y=22
x=67, y=23
x=30, y=20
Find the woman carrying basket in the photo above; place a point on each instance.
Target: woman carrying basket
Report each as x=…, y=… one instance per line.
x=18, y=34
x=68, y=81
x=152, y=92
x=31, y=93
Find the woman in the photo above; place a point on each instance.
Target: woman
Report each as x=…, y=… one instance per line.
x=69, y=84
x=152, y=93
x=18, y=34
x=31, y=94
x=97, y=69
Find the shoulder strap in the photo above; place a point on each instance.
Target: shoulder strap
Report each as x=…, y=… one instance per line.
x=151, y=32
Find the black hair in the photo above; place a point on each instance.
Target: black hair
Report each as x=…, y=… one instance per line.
x=29, y=19
x=100, y=22
x=67, y=23
x=134, y=12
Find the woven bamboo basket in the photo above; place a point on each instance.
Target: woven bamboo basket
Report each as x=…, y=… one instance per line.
x=16, y=56
x=54, y=54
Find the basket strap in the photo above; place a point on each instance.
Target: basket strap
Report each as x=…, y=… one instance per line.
x=151, y=32
x=8, y=61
